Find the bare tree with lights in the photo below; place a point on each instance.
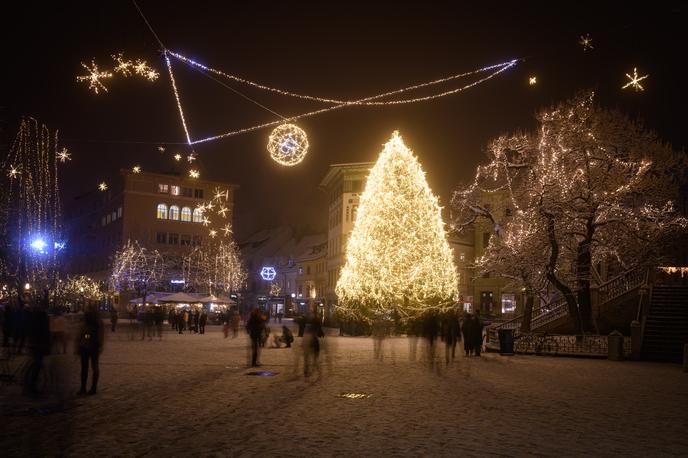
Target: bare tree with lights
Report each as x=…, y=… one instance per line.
x=136, y=268
x=214, y=267
x=398, y=260
x=589, y=185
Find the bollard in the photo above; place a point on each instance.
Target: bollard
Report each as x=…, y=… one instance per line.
x=615, y=346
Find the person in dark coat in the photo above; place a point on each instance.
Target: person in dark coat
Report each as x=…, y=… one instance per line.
x=172, y=318
x=113, y=318
x=287, y=336
x=89, y=346
x=467, y=330
x=451, y=334
x=202, y=321
x=39, y=341
x=301, y=320
x=255, y=326
x=158, y=318
x=478, y=333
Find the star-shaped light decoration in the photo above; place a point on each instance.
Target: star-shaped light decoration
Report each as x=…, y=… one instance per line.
x=635, y=80
x=191, y=157
x=64, y=155
x=94, y=77
x=212, y=233
x=123, y=66
x=586, y=42
x=13, y=172
x=219, y=195
x=177, y=157
x=136, y=169
x=227, y=229
x=209, y=206
x=206, y=221
x=141, y=68
x=103, y=186
x=194, y=173
x=222, y=211
x=161, y=149
x=532, y=80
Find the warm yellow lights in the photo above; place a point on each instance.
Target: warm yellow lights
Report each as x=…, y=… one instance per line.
x=141, y=68
x=177, y=157
x=212, y=233
x=532, y=80
x=64, y=155
x=136, y=169
x=288, y=144
x=191, y=157
x=635, y=81
x=161, y=149
x=586, y=42
x=227, y=229
x=103, y=186
x=13, y=172
x=94, y=77
x=194, y=173
x=397, y=258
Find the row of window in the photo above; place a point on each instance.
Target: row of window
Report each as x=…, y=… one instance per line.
x=172, y=238
x=110, y=217
x=174, y=213
x=177, y=190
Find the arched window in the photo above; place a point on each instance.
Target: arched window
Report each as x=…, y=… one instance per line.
x=197, y=215
x=174, y=212
x=162, y=211
x=186, y=214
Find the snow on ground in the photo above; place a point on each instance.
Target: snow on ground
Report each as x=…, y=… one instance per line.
x=190, y=395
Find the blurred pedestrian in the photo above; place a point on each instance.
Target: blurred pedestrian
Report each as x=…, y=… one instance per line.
x=58, y=332
x=467, y=329
x=202, y=321
x=451, y=333
x=310, y=343
x=236, y=321
x=39, y=341
x=159, y=319
x=255, y=327
x=113, y=318
x=172, y=318
x=89, y=346
x=477, y=333
x=287, y=336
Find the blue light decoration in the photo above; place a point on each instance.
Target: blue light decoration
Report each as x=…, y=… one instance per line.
x=177, y=282
x=38, y=244
x=268, y=273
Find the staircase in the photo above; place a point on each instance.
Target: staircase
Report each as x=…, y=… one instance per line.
x=549, y=317
x=666, y=325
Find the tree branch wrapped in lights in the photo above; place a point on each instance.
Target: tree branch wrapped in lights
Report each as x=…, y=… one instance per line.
x=398, y=260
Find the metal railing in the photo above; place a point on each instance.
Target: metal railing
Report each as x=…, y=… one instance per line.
x=621, y=284
x=566, y=345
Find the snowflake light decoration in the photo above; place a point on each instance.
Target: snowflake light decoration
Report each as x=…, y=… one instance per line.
x=13, y=172
x=177, y=157
x=288, y=144
x=532, y=80
x=586, y=42
x=136, y=169
x=635, y=81
x=268, y=273
x=161, y=149
x=64, y=155
x=123, y=66
x=191, y=157
x=103, y=186
x=193, y=173
x=94, y=77
x=141, y=68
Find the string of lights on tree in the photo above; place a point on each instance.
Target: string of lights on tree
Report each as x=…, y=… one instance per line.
x=398, y=259
x=30, y=207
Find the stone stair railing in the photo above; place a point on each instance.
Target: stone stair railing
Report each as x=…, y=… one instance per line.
x=546, y=314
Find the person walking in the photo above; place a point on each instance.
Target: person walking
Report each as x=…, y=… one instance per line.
x=236, y=320
x=467, y=330
x=172, y=318
x=477, y=333
x=158, y=318
x=451, y=334
x=114, y=316
x=255, y=326
x=89, y=346
x=202, y=321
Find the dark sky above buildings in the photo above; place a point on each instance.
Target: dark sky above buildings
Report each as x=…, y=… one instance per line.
x=335, y=49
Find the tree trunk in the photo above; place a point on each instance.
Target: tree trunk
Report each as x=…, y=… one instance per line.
x=571, y=303
x=527, y=313
x=583, y=268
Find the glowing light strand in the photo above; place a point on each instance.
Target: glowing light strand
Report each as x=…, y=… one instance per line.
x=94, y=77
x=176, y=96
x=635, y=81
x=500, y=68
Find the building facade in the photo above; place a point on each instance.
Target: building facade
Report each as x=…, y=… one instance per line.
x=343, y=184
x=157, y=210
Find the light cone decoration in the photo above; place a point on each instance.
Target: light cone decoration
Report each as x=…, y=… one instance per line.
x=398, y=260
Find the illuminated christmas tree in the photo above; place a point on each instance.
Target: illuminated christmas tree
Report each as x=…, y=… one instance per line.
x=398, y=260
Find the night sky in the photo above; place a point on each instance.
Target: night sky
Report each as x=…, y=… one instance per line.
x=335, y=49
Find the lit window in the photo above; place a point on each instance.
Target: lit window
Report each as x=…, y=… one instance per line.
x=462, y=256
x=174, y=212
x=197, y=215
x=163, y=188
x=508, y=303
x=174, y=190
x=162, y=211
x=114, y=216
x=186, y=214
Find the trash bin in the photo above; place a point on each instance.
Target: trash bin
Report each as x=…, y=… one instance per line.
x=506, y=342
x=615, y=342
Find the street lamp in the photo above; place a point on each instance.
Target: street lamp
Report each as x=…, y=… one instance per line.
x=27, y=286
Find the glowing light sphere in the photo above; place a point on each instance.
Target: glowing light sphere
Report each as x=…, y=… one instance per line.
x=39, y=245
x=288, y=144
x=268, y=273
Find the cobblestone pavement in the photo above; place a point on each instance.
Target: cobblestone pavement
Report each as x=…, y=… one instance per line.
x=191, y=395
